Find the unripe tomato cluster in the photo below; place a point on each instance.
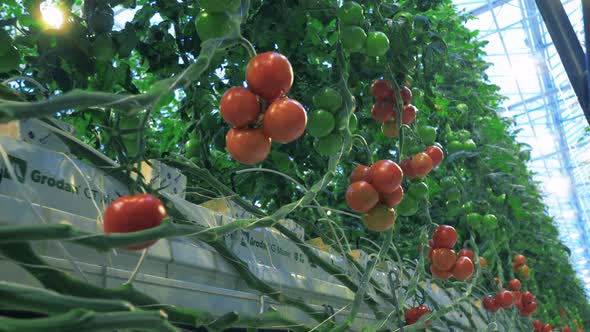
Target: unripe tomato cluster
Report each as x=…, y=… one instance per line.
x=384, y=110
x=270, y=77
x=353, y=37
x=415, y=313
x=520, y=268
x=323, y=122
x=460, y=141
x=374, y=191
x=445, y=263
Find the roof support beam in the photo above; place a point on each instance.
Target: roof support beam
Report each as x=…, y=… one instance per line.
x=568, y=46
x=493, y=4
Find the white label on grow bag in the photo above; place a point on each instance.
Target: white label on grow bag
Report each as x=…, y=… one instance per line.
x=52, y=179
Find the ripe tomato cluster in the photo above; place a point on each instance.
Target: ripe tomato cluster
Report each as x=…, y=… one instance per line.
x=353, y=38
x=540, y=327
x=525, y=302
x=415, y=313
x=374, y=191
x=269, y=76
x=322, y=122
x=132, y=214
x=445, y=263
x=520, y=268
x=384, y=110
x=423, y=162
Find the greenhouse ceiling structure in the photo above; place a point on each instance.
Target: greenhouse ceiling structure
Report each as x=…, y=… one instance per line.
x=544, y=110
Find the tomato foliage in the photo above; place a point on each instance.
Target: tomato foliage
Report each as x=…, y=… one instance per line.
x=421, y=47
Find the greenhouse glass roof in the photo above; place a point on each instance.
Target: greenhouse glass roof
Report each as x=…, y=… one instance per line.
x=543, y=106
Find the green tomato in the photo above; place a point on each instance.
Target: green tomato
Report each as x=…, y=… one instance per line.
x=353, y=38
x=320, y=123
x=213, y=25
x=490, y=221
x=454, y=146
x=448, y=182
x=193, y=148
x=351, y=13
x=329, y=145
x=408, y=207
x=131, y=139
x=353, y=122
x=463, y=135
x=462, y=107
x=329, y=99
x=469, y=145
x=104, y=48
x=427, y=134
x=469, y=207
x=421, y=23
x=418, y=190
x=452, y=208
x=377, y=44
x=473, y=219
x=453, y=194
x=216, y=6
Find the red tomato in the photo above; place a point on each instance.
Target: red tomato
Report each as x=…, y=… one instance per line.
x=284, y=120
x=359, y=173
x=248, y=145
x=431, y=243
x=523, y=272
x=269, y=75
x=497, y=280
x=385, y=176
x=390, y=129
x=489, y=303
x=443, y=259
x=406, y=95
x=463, y=268
x=519, y=260
x=515, y=284
x=392, y=199
x=361, y=196
x=529, y=308
x=407, y=169
x=412, y=315
x=516, y=295
x=239, y=107
x=537, y=324
x=422, y=164
x=445, y=236
x=436, y=154
x=381, y=90
x=482, y=262
x=132, y=214
x=444, y=275
x=567, y=329
x=408, y=114
x=466, y=253
x=382, y=111
x=504, y=299
x=547, y=328
x=430, y=252
x=380, y=218
x=527, y=297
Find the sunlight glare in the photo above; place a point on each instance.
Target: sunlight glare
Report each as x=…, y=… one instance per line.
x=52, y=15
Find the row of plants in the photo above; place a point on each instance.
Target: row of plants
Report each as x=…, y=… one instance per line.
x=371, y=119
